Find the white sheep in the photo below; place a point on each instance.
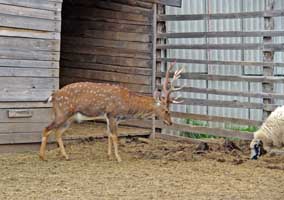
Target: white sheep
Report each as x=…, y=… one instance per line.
x=270, y=137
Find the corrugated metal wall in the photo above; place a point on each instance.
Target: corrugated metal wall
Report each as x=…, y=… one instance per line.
x=251, y=24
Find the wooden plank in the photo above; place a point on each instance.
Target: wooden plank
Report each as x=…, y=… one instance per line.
x=110, y=35
x=219, y=62
x=175, y=3
x=227, y=104
x=68, y=25
x=20, y=138
x=136, y=3
x=11, y=128
x=24, y=33
x=38, y=115
x=106, y=76
x=23, y=148
x=91, y=13
x=15, y=94
x=110, y=68
x=231, y=120
x=251, y=46
x=221, y=34
x=38, y=4
x=12, y=105
x=29, y=44
x=91, y=42
x=28, y=72
x=29, y=55
x=111, y=5
x=201, y=76
x=110, y=20
x=230, y=93
x=145, y=89
x=28, y=83
x=29, y=23
x=138, y=123
x=29, y=63
x=240, y=15
x=71, y=50
x=143, y=132
x=109, y=60
x=29, y=12
x=211, y=131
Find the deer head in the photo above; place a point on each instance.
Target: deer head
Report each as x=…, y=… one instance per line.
x=163, y=101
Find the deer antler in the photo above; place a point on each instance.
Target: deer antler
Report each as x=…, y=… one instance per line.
x=167, y=92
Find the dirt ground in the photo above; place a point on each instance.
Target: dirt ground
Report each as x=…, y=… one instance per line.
x=156, y=169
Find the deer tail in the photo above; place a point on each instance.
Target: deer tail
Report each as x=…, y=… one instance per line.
x=49, y=99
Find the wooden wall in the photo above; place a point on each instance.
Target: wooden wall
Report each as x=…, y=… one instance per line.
x=29, y=66
x=107, y=41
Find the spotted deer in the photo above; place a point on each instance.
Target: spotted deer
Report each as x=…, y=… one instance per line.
x=89, y=101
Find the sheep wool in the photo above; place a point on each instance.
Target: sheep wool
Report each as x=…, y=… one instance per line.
x=271, y=133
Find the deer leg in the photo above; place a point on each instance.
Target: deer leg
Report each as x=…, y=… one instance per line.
x=113, y=130
x=45, y=134
x=109, y=150
x=59, y=140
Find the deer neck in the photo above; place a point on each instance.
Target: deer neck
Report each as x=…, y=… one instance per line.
x=141, y=106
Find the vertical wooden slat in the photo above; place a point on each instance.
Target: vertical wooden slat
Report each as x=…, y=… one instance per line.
x=154, y=60
x=160, y=28
x=268, y=57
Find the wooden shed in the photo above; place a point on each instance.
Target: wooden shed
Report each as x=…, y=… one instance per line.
x=46, y=44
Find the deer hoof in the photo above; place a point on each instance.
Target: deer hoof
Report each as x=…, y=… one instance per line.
x=43, y=158
x=118, y=159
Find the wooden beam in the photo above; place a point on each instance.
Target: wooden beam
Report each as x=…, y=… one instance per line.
x=212, y=77
x=230, y=93
x=267, y=13
x=222, y=34
x=247, y=46
x=228, y=104
x=219, y=62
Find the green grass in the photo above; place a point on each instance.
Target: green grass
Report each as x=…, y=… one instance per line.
x=244, y=128
x=205, y=124
x=196, y=135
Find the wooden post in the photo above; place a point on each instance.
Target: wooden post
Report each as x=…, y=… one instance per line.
x=159, y=27
x=268, y=55
x=154, y=66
